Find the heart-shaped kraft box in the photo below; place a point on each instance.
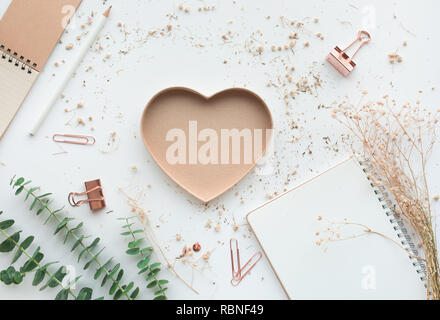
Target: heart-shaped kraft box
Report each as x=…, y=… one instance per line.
x=206, y=144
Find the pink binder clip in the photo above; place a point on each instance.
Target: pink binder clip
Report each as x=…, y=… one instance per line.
x=341, y=61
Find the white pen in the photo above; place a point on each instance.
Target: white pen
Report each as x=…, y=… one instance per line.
x=70, y=71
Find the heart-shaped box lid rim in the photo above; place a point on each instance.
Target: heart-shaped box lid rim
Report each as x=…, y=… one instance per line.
x=207, y=98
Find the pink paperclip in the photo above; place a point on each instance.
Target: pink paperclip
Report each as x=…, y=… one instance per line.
x=74, y=139
x=256, y=257
x=236, y=274
x=241, y=273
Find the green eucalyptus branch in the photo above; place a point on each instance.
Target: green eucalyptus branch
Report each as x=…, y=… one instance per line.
x=34, y=264
x=153, y=269
x=114, y=274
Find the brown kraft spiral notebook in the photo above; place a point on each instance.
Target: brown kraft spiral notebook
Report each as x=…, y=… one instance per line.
x=29, y=31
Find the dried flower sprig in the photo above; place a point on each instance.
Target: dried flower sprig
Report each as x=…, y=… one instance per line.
x=144, y=265
x=397, y=141
x=114, y=274
x=34, y=264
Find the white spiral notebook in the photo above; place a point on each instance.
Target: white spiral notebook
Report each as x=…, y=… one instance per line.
x=294, y=231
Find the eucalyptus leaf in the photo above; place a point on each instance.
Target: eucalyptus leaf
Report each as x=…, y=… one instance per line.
x=147, y=251
x=72, y=231
x=153, y=274
x=34, y=203
x=19, y=190
x=57, y=277
x=102, y=268
x=62, y=295
x=115, y=269
x=155, y=265
x=143, y=263
x=62, y=224
x=83, y=251
x=113, y=288
x=135, y=244
x=6, y=224
x=39, y=276
x=118, y=294
x=44, y=195
x=87, y=265
x=24, y=245
x=144, y=270
x=9, y=244
x=27, y=242
x=18, y=182
x=43, y=206
x=71, y=283
x=85, y=294
x=133, y=251
x=104, y=280
x=135, y=293
x=32, y=263
x=18, y=278
x=161, y=291
x=94, y=243
x=5, y=278
x=77, y=243
x=129, y=287
x=120, y=275
x=30, y=192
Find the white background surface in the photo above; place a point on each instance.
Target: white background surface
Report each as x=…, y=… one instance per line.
x=193, y=55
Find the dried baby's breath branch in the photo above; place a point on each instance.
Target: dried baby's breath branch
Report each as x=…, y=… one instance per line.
x=398, y=141
x=366, y=231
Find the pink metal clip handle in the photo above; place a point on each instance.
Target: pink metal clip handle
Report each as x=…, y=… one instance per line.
x=362, y=36
x=75, y=203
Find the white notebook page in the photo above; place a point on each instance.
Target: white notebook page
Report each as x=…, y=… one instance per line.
x=367, y=267
x=15, y=84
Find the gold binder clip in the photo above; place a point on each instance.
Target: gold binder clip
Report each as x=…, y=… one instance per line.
x=95, y=196
x=341, y=61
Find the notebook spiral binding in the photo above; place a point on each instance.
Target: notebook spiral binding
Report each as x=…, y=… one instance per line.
x=18, y=61
x=398, y=224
